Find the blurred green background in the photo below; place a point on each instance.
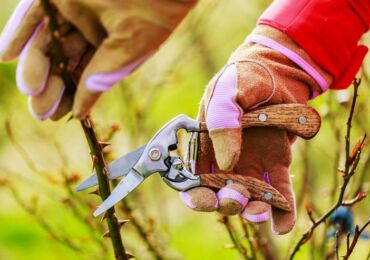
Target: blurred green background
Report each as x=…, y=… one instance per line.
x=170, y=83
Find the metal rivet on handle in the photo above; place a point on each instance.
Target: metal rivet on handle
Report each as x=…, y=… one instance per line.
x=302, y=120
x=155, y=154
x=267, y=196
x=227, y=182
x=262, y=117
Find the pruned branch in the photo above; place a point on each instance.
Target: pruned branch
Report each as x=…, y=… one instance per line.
x=351, y=163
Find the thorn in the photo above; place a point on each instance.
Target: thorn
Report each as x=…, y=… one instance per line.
x=104, y=217
x=129, y=255
x=95, y=192
x=57, y=34
x=122, y=222
x=106, y=234
x=87, y=123
x=229, y=246
x=70, y=119
x=95, y=160
x=103, y=144
x=62, y=65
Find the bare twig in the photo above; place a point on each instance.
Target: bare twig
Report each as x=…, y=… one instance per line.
x=156, y=250
x=23, y=153
x=358, y=232
x=336, y=249
x=360, y=196
x=40, y=219
x=349, y=171
x=234, y=237
x=248, y=238
x=88, y=128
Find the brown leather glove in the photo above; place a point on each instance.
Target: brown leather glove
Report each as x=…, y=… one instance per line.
x=104, y=40
x=255, y=76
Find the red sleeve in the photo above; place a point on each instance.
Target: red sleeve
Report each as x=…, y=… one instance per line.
x=328, y=30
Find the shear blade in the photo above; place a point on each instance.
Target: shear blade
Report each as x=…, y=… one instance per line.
x=129, y=183
x=118, y=168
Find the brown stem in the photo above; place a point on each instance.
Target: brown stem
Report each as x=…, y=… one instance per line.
x=60, y=58
x=234, y=237
x=356, y=236
x=104, y=189
x=248, y=237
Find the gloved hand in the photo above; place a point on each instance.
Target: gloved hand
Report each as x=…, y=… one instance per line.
x=256, y=75
x=104, y=40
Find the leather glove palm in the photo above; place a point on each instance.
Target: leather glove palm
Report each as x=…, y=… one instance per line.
x=104, y=40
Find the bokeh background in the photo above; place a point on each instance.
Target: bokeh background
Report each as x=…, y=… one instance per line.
x=41, y=217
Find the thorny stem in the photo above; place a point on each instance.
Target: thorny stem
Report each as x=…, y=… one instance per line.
x=104, y=189
x=88, y=128
x=349, y=171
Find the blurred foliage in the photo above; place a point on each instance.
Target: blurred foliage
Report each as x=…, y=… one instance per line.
x=170, y=83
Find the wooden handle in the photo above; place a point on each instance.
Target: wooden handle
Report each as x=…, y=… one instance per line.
x=298, y=119
x=259, y=190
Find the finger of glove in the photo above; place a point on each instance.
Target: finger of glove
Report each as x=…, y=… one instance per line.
x=45, y=105
x=23, y=22
x=112, y=62
x=55, y=102
x=232, y=199
x=283, y=221
x=200, y=199
x=222, y=116
x=256, y=212
x=266, y=156
x=34, y=65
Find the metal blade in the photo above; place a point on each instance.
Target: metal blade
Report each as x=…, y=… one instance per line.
x=129, y=183
x=118, y=168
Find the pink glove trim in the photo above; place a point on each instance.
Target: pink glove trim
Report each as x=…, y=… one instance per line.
x=294, y=57
x=222, y=111
x=21, y=83
x=226, y=193
x=49, y=113
x=266, y=177
x=186, y=198
x=263, y=217
x=13, y=23
x=102, y=82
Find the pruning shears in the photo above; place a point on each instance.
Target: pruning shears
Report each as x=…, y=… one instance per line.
x=156, y=156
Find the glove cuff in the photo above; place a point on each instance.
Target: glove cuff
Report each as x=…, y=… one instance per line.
x=278, y=41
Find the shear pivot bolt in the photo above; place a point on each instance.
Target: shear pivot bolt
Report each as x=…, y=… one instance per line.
x=302, y=120
x=262, y=117
x=267, y=196
x=155, y=154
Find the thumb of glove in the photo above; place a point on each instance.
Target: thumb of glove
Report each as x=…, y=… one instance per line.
x=222, y=116
x=225, y=100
